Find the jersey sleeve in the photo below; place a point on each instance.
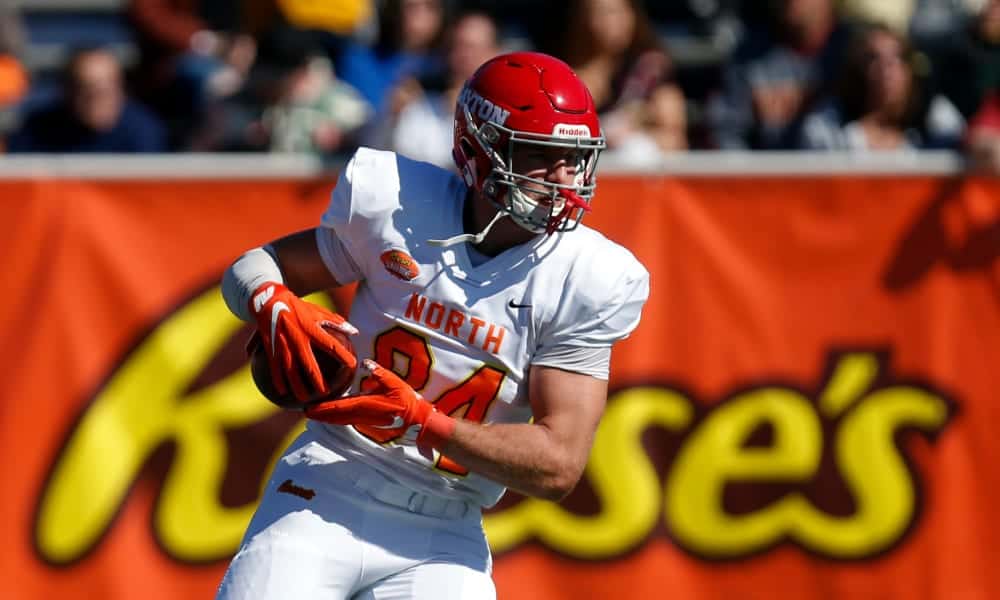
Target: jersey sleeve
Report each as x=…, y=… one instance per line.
x=595, y=362
x=595, y=313
x=356, y=225
x=336, y=257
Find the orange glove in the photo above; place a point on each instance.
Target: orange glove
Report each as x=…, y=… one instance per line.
x=391, y=404
x=289, y=327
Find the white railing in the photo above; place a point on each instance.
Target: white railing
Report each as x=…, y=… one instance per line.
x=277, y=166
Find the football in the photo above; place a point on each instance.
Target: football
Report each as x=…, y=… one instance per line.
x=337, y=375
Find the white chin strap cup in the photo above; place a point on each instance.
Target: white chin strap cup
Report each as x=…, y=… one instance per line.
x=529, y=213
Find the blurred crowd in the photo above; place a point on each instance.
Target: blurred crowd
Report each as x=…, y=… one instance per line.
x=324, y=77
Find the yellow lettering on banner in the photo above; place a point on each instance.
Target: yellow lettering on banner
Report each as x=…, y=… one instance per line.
x=141, y=407
x=878, y=478
x=853, y=374
x=866, y=456
x=713, y=455
x=145, y=404
x=623, y=479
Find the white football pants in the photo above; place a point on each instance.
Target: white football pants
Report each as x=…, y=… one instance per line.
x=328, y=528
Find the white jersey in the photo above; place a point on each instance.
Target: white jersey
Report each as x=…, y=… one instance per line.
x=463, y=336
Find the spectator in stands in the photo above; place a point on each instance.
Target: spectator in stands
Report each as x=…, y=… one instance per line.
x=895, y=14
x=408, y=48
x=936, y=19
x=775, y=75
x=193, y=53
x=13, y=81
x=966, y=64
x=664, y=119
x=880, y=103
x=94, y=114
x=424, y=129
x=983, y=141
x=11, y=30
x=717, y=22
x=613, y=48
x=336, y=17
x=661, y=128
x=309, y=109
x=13, y=76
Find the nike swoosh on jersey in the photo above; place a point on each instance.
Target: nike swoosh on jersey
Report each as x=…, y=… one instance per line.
x=276, y=310
x=512, y=304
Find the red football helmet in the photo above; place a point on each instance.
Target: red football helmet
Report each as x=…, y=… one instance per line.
x=532, y=99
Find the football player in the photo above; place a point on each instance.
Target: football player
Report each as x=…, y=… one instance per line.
x=485, y=315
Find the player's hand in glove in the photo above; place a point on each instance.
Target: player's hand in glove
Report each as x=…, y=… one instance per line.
x=289, y=328
x=389, y=402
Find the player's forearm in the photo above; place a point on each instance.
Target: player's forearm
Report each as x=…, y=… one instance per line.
x=293, y=261
x=245, y=275
x=523, y=457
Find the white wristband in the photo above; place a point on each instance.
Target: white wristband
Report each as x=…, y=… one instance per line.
x=246, y=275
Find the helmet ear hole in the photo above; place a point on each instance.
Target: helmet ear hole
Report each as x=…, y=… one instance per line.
x=490, y=134
x=465, y=158
x=466, y=148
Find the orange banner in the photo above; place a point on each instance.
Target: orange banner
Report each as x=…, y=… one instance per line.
x=806, y=411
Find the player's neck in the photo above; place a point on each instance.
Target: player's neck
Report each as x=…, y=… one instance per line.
x=503, y=235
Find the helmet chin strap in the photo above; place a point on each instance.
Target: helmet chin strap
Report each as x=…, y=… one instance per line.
x=469, y=237
x=571, y=201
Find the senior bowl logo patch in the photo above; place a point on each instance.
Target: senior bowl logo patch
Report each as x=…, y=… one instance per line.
x=400, y=264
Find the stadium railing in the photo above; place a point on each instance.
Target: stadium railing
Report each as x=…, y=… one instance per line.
x=278, y=166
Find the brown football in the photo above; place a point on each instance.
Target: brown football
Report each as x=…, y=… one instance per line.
x=337, y=375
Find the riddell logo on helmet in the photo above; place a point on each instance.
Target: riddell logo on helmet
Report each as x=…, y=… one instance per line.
x=400, y=264
x=566, y=130
x=482, y=108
